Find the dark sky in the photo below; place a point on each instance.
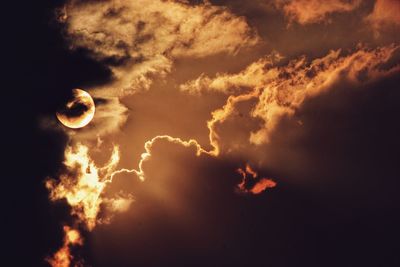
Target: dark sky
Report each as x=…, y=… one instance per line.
x=336, y=202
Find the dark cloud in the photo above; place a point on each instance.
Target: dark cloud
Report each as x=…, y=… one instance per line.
x=336, y=209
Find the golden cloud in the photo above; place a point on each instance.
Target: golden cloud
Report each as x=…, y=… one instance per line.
x=385, y=13
x=82, y=184
x=139, y=39
x=63, y=257
x=279, y=91
x=314, y=11
x=254, y=75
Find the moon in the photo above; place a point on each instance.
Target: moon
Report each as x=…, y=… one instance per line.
x=78, y=111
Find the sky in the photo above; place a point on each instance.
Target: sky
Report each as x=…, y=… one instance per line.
x=225, y=133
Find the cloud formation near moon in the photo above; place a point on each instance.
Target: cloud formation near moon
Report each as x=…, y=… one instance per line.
x=141, y=39
x=79, y=111
x=201, y=84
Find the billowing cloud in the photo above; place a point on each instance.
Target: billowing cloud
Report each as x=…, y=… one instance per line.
x=82, y=184
x=314, y=11
x=140, y=39
x=63, y=257
x=385, y=13
x=278, y=91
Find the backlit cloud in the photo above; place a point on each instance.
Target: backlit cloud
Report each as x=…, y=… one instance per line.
x=63, y=257
x=314, y=11
x=140, y=39
x=280, y=91
x=251, y=183
x=385, y=13
x=177, y=128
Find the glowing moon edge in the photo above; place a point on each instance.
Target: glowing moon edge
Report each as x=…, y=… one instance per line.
x=83, y=97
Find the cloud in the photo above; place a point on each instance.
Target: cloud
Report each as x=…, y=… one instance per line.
x=63, y=257
x=253, y=76
x=385, y=13
x=140, y=39
x=82, y=184
x=314, y=11
x=278, y=91
x=110, y=115
x=251, y=183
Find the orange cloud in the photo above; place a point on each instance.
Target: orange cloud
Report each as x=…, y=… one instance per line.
x=262, y=185
x=63, y=257
x=251, y=183
x=314, y=11
x=219, y=116
x=279, y=91
x=140, y=39
x=385, y=13
x=82, y=184
x=252, y=76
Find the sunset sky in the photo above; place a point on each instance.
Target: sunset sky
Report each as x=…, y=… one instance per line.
x=225, y=133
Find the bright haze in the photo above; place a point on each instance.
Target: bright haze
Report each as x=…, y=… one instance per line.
x=206, y=133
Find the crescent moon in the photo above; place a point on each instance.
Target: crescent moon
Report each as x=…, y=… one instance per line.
x=79, y=111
